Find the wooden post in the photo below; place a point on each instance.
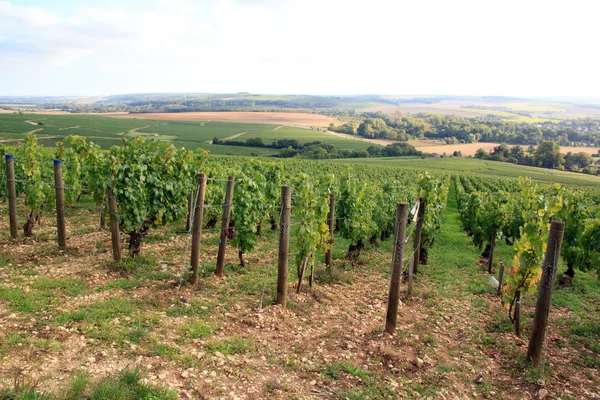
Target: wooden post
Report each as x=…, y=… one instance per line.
x=518, y=313
x=491, y=255
x=284, y=244
x=396, y=277
x=12, y=195
x=500, y=277
x=417, y=239
x=197, y=228
x=60, y=205
x=542, y=306
x=331, y=224
x=114, y=226
x=224, y=226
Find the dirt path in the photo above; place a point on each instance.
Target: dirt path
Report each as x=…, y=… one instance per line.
x=382, y=142
x=235, y=136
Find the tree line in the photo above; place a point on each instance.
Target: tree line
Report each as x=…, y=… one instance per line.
x=546, y=155
x=317, y=150
x=455, y=129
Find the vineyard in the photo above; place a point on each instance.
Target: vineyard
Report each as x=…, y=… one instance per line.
x=206, y=271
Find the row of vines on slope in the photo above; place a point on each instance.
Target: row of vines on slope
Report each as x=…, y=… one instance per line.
x=520, y=212
x=153, y=181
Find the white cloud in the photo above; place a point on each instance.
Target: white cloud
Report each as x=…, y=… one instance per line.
x=309, y=46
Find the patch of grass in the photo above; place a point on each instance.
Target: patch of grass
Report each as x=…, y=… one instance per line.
x=77, y=386
x=429, y=339
x=334, y=371
x=489, y=340
x=70, y=287
x=27, y=302
x=373, y=391
x=5, y=261
x=581, y=296
x=196, y=330
x=22, y=388
x=101, y=310
x=132, y=264
x=126, y=385
x=164, y=350
x=478, y=287
x=231, y=347
x=195, y=308
x=503, y=326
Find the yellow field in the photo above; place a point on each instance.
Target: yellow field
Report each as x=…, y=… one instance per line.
x=469, y=149
x=278, y=118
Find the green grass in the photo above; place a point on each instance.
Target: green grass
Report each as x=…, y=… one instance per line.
x=476, y=167
x=101, y=310
x=70, y=287
x=231, y=346
x=108, y=131
x=27, y=302
x=196, y=330
x=125, y=385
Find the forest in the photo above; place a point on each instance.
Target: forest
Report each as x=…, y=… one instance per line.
x=455, y=129
x=318, y=150
x=546, y=155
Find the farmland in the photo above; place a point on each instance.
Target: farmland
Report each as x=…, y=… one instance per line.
x=78, y=315
x=78, y=310
x=278, y=118
x=518, y=110
x=479, y=167
x=107, y=131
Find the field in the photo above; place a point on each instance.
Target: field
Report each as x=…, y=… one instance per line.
x=278, y=118
x=198, y=129
x=107, y=131
x=478, y=167
x=469, y=149
x=518, y=110
x=63, y=313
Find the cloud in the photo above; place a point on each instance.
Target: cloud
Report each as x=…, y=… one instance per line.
x=301, y=46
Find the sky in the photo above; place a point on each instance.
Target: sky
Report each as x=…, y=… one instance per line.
x=328, y=47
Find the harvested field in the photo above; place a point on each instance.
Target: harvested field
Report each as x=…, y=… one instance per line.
x=588, y=150
x=278, y=118
x=467, y=149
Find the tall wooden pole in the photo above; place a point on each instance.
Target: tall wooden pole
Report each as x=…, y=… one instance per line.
x=60, y=205
x=284, y=244
x=417, y=239
x=114, y=226
x=197, y=228
x=397, y=260
x=331, y=224
x=12, y=195
x=224, y=226
x=542, y=306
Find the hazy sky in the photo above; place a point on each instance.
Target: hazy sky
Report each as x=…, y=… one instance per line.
x=482, y=47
